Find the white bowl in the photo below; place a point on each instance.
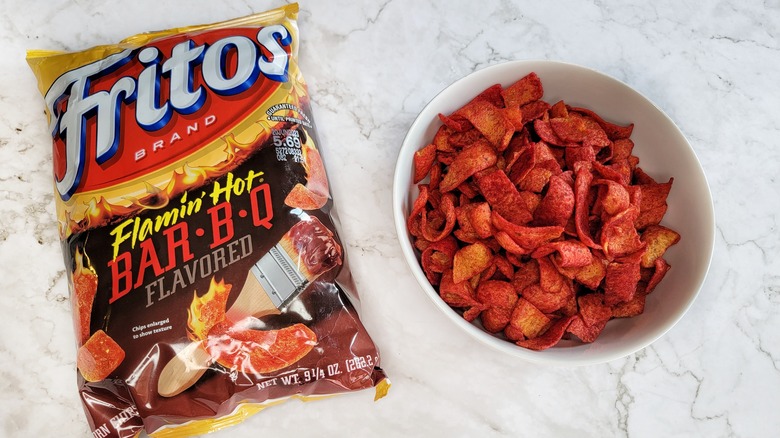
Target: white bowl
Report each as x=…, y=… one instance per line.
x=663, y=152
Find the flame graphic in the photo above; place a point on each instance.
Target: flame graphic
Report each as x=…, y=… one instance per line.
x=99, y=210
x=84, y=287
x=208, y=310
x=155, y=198
x=83, y=266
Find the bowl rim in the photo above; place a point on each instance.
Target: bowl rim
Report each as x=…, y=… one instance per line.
x=546, y=356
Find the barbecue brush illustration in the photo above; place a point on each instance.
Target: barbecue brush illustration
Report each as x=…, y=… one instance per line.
x=304, y=253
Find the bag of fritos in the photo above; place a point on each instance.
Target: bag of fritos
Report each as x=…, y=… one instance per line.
x=207, y=278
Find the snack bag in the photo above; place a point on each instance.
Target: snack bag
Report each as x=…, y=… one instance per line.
x=207, y=277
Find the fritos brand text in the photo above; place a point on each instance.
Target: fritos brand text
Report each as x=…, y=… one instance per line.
x=165, y=85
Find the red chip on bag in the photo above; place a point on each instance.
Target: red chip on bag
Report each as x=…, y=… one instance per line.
x=315, y=193
x=557, y=228
x=99, y=357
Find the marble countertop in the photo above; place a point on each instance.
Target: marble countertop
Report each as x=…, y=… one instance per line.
x=371, y=67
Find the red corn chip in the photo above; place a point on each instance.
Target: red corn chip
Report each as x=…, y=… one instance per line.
x=529, y=238
x=506, y=269
x=535, y=166
x=99, y=357
x=613, y=196
x=457, y=294
x=622, y=149
x=502, y=196
x=471, y=160
x=559, y=110
x=316, y=178
x=508, y=243
x=591, y=275
x=423, y=162
x=618, y=171
x=487, y=274
x=613, y=131
x=550, y=337
x=418, y=208
x=559, y=155
x=524, y=91
x=557, y=205
x=534, y=110
x=618, y=235
x=531, y=200
x=499, y=298
x=570, y=253
x=442, y=139
x=526, y=321
x=259, y=351
x=456, y=122
x=465, y=236
x=573, y=155
x=513, y=333
x=515, y=260
x=586, y=333
x=492, y=95
x=579, y=129
x=429, y=231
x=490, y=121
x=421, y=244
x=582, y=182
x=470, y=261
x=654, y=195
x=515, y=117
x=545, y=131
x=302, y=197
x=468, y=189
x=661, y=268
x=630, y=308
x=593, y=310
x=620, y=282
x=658, y=239
x=438, y=256
x=553, y=281
x=545, y=301
x=435, y=177
x=634, y=257
x=515, y=149
x=527, y=273
x=536, y=180
x=462, y=215
x=634, y=196
x=480, y=218
x=649, y=217
x=460, y=140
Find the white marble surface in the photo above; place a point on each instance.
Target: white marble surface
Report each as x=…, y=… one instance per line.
x=371, y=67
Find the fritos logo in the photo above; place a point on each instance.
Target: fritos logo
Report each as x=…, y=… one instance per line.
x=177, y=88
